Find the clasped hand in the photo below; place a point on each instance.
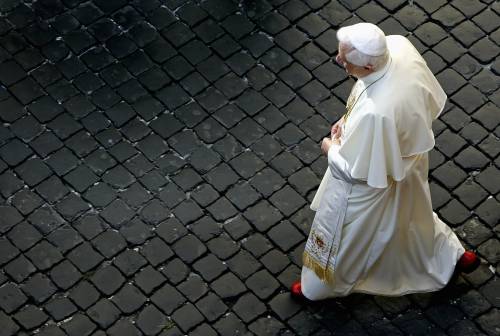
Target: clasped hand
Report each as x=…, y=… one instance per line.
x=335, y=134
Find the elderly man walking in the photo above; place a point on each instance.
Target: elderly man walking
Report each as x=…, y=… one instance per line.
x=375, y=231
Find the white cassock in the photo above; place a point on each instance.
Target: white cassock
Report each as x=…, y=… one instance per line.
x=375, y=230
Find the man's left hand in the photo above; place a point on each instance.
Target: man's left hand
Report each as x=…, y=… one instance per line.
x=327, y=143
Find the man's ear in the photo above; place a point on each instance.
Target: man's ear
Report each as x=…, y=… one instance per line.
x=368, y=67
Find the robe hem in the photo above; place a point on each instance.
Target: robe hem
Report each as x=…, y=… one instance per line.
x=325, y=274
x=412, y=291
x=373, y=293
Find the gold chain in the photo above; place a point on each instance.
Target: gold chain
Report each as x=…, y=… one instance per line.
x=351, y=102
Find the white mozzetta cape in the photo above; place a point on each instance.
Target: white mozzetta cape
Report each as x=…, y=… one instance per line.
x=391, y=241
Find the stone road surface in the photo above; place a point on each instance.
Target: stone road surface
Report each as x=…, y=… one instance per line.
x=158, y=157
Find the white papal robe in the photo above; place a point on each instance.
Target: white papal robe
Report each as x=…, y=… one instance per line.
x=386, y=238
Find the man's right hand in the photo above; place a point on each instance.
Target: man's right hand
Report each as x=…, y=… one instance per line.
x=336, y=131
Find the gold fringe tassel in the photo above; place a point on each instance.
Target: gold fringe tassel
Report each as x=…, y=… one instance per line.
x=325, y=274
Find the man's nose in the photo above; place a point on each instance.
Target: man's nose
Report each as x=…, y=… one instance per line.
x=338, y=60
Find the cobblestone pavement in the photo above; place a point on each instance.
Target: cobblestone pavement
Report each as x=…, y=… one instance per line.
x=158, y=158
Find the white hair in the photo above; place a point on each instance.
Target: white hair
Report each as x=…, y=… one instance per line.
x=356, y=57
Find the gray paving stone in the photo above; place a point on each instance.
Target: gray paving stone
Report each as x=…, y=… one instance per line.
x=230, y=324
x=26, y=128
x=449, y=174
x=89, y=226
x=411, y=17
x=129, y=299
x=485, y=81
x=287, y=200
x=156, y=251
x=278, y=93
x=209, y=267
x=19, y=268
x=474, y=133
x=456, y=118
x=251, y=102
x=259, y=77
x=257, y=244
x=285, y=235
x=124, y=327
x=268, y=326
x=464, y=193
x=262, y=215
x=45, y=219
x=193, y=288
x=489, y=321
x=12, y=297
x=448, y=315
x=223, y=246
x=489, y=250
x=488, y=212
x=449, y=143
x=489, y=291
x=129, y=262
x=104, y=313
x=204, y=329
x=135, y=195
x=168, y=299
x=304, y=180
x=138, y=165
x=107, y=279
x=14, y=152
x=31, y=317
x=84, y=294
x=65, y=275
x=122, y=151
x=44, y=255
x=248, y=307
x=72, y=206
x=454, y=212
x=148, y=279
x=154, y=212
x=150, y=320
x=117, y=213
x=187, y=317
x=60, y=308
x=79, y=325
x=211, y=307
x=286, y=163
x=51, y=330
x=465, y=327
x=39, y=288
x=85, y=257
x=81, y=178
x=206, y=228
x=262, y=284
x=109, y=243
x=10, y=183
x=304, y=323
x=189, y=248
x=10, y=218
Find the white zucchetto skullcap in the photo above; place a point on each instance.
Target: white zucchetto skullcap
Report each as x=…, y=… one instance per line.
x=365, y=37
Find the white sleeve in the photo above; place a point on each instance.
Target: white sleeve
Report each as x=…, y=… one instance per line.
x=339, y=167
x=371, y=152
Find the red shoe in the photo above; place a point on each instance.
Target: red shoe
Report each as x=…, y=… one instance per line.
x=468, y=262
x=296, y=290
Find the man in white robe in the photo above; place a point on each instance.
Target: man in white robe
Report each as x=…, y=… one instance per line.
x=375, y=231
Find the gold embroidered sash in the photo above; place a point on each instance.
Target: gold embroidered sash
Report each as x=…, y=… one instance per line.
x=320, y=254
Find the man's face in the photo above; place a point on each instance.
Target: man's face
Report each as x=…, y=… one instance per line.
x=352, y=69
x=341, y=60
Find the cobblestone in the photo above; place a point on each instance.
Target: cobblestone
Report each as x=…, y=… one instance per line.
x=157, y=160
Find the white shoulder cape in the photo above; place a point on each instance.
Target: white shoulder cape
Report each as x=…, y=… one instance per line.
x=393, y=118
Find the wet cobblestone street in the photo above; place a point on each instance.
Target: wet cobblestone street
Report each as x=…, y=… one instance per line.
x=158, y=159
